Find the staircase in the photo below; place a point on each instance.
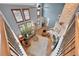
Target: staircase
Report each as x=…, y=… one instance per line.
x=66, y=17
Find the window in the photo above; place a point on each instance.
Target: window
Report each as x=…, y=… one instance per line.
x=21, y=14
x=22, y=28
x=26, y=14
x=25, y=28
x=17, y=15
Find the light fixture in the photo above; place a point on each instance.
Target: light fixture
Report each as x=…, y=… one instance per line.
x=38, y=6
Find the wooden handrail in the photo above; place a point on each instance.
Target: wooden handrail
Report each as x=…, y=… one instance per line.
x=4, y=50
x=66, y=47
x=68, y=42
x=77, y=34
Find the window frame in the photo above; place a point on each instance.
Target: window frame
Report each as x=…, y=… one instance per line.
x=24, y=13
x=15, y=16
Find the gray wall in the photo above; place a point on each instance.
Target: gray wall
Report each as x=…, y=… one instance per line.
x=6, y=10
x=51, y=11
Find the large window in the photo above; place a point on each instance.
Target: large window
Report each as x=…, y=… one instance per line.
x=26, y=29
x=26, y=14
x=17, y=15
x=21, y=14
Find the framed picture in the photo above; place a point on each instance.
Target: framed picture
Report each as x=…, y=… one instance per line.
x=17, y=15
x=26, y=14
